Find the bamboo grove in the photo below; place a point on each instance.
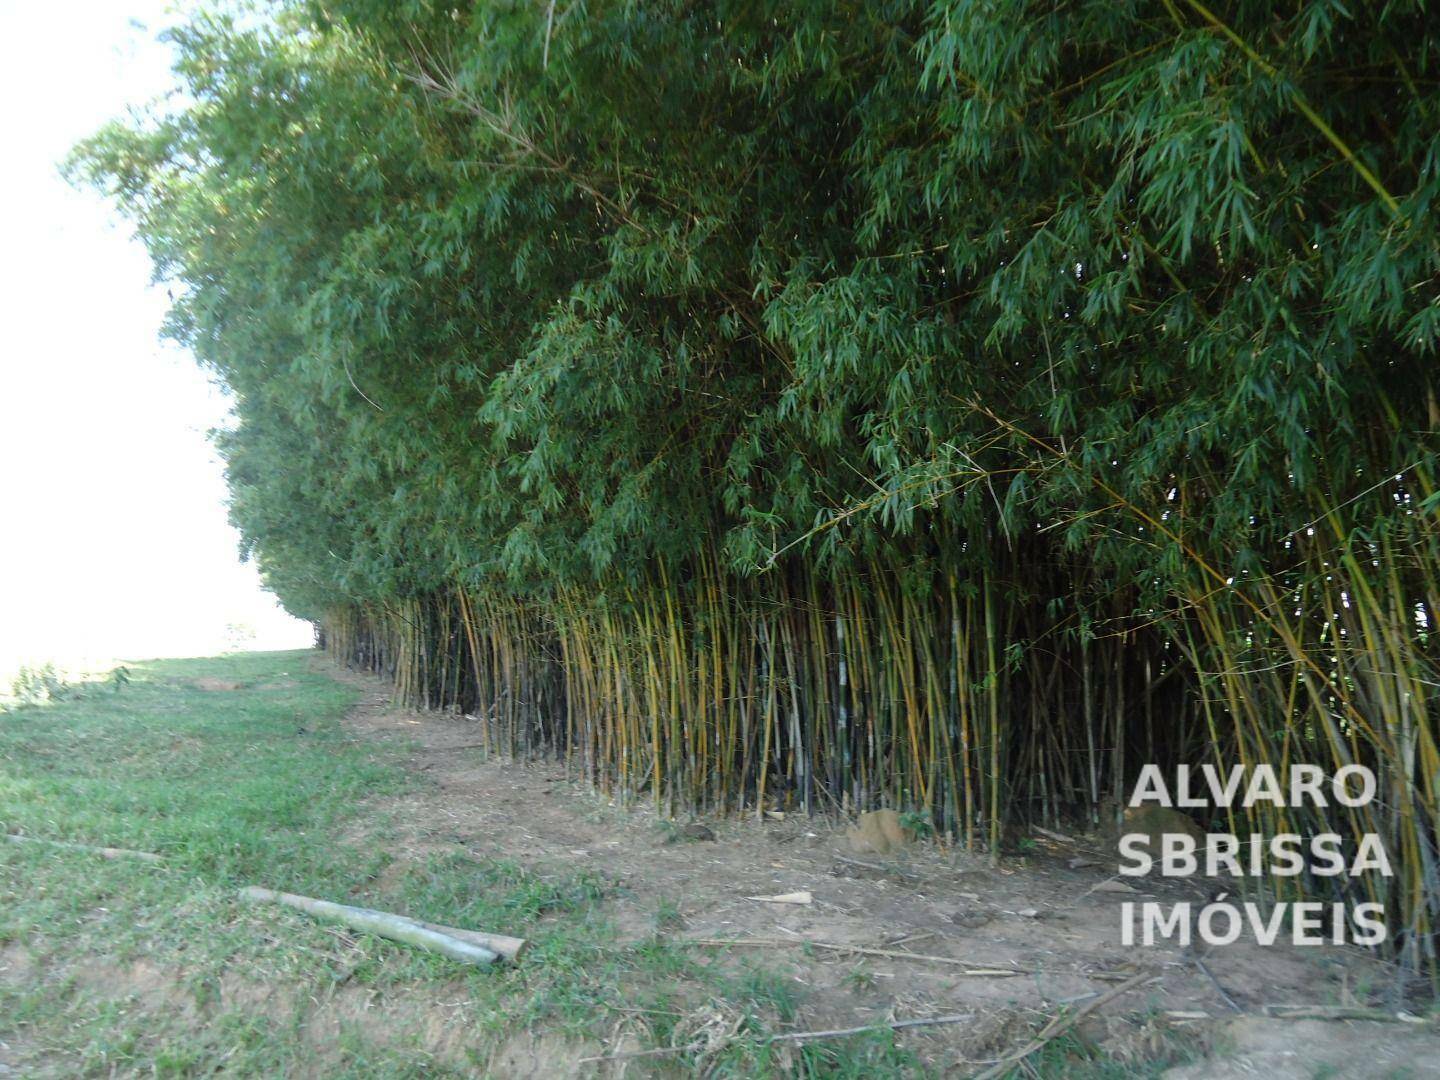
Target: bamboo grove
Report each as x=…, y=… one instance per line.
x=947, y=406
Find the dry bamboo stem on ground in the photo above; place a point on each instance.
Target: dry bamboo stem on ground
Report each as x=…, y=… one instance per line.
x=793, y=1036
x=381, y=923
x=510, y=948
x=1059, y=838
x=894, y=1025
x=1338, y=1012
x=894, y=954
x=889, y=871
x=103, y=852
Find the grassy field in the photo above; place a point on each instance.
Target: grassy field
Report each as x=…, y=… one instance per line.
x=112, y=967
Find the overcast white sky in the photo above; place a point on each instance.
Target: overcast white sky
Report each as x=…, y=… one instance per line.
x=113, y=536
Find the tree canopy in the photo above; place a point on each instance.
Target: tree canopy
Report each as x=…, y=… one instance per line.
x=541, y=293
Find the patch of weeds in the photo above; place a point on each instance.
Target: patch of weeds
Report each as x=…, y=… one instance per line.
x=917, y=824
x=658, y=958
x=360, y=1058
x=1075, y=1058
x=179, y=1058
x=204, y=988
x=1072, y=1056
x=855, y=1057
x=872, y=1054
x=667, y=916
x=599, y=809
x=457, y=890
x=39, y=683
x=859, y=978
x=765, y=989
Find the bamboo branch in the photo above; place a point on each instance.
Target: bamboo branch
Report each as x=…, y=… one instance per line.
x=1304, y=106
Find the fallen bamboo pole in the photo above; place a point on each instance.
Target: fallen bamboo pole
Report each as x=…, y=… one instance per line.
x=510, y=948
x=1339, y=1012
x=380, y=923
x=834, y=946
x=103, y=852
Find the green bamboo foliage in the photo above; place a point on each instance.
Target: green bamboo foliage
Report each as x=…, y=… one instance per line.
x=814, y=407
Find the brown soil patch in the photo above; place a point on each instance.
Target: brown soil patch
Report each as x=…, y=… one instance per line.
x=1304, y=1049
x=17, y=966
x=1032, y=913
x=211, y=683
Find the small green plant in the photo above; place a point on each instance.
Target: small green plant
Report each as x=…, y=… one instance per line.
x=917, y=824
x=668, y=916
x=859, y=978
x=33, y=685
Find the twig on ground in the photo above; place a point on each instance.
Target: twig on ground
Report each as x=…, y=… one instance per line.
x=894, y=1025
x=1205, y=970
x=834, y=946
x=1058, y=837
x=103, y=852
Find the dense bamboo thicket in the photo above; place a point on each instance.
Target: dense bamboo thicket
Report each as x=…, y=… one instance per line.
x=951, y=406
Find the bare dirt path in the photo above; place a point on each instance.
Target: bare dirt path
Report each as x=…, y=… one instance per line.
x=1032, y=914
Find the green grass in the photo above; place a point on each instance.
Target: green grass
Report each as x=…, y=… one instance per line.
x=1072, y=1057
x=111, y=967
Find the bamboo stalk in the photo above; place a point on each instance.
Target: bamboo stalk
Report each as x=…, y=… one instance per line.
x=381, y=924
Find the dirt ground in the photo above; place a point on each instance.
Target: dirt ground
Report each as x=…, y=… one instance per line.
x=969, y=924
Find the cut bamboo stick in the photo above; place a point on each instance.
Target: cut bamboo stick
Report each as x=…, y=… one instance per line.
x=103, y=852
x=1339, y=1012
x=511, y=948
x=380, y=923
